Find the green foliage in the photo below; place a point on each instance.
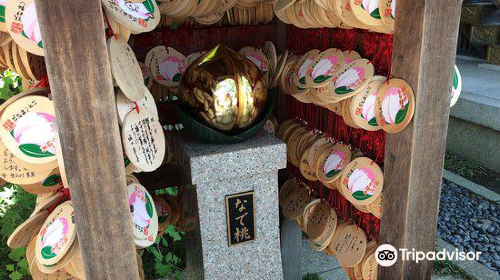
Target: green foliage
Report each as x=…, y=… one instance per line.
x=10, y=85
x=311, y=276
x=166, y=258
x=16, y=206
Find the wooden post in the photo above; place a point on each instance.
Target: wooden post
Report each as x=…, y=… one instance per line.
x=425, y=42
x=82, y=89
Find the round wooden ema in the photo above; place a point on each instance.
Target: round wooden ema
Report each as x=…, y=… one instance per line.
x=314, y=97
x=367, y=12
x=376, y=207
x=140, y=17
x=61, y=264
x=300, y=223
x=209, y=19
x=146, y=75
x=362, y=105
x=349, y=245
x=270, y=51
x=299, y=73
x=151, y=53
x=269, y=127
x=387, y=10
x=307, y=213
x=44, y=202
x=286, y=188
x=22, y=24
x=194, y=56
x=347, y=16
x=62, y=274
x=168, y=66
x=125, y=106
x=257, y=57
x=362, y=181
x=143, y=140
x=323, y=67
x=326, y=237
x=286, y=83
x=303, y=97
x=322, y=149
x=361, y=208
x=164, y=211
x=332, y=162
x=56, y=235
x=305, y=169
x=318, y=220
x=28, y=130
x=129, y=179
x=292, y=143
x=346, y=113
x=50, y=183
x=370, y=267
x=456, y=87
x=305, y=141
x=125, y=68
x=280, y=66
x=30, y=250
x=294, y=203
x=395, y=105
x=76, y=266
x=351, y=79
x=144, y=216
x=25, y=231
x=16, y=171
x=351, y=56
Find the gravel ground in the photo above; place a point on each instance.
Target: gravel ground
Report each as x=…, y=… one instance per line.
x=471, y=223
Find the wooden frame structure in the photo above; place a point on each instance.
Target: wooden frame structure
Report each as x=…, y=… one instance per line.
x=79, y=71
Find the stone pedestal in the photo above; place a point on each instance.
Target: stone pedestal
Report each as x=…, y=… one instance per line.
x=214, y=172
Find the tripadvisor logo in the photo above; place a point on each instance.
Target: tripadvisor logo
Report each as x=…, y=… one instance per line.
x=387, y=255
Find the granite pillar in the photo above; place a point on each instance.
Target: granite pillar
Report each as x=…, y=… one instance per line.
x=213, y=172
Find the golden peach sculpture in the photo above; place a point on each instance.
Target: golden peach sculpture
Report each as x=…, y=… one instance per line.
x=224, y=89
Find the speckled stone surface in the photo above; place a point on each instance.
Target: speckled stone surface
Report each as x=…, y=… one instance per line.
x=204, y=162
x=215, y=171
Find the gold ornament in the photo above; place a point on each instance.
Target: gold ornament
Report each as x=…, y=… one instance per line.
x=225, y=89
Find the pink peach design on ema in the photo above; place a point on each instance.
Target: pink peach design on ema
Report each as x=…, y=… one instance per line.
x=137, y=10
x=259, y=62
x=349, y=80
x=324, y=69
x=54, y=237
x=31, y=28
x=395, y=105
x=172, y=68
x=142, y=210
x=368, y=112
x=362, y=183
x=371, y=6
x=35, y=134
x=334, y=164
x=301, y=73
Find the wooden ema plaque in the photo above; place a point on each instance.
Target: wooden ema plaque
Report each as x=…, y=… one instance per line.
x=28, y=131
x=125, y=68
x=22, y=24
x=56, y=235
x=349, y=245
x=144, y=215
x=362, y=181
x=295, y=202
x=395, y=105
x=323, y=67
x=24, y=232
x=240, y=216
x=143, y=140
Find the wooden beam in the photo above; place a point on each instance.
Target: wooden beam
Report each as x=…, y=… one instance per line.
x=82, y=90
x=425, y=43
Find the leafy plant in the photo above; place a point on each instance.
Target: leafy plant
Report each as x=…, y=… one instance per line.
x=10, y=85
x=16, y=206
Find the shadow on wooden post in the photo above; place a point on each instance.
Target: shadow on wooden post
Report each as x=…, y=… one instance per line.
x=82, y=89
x=425, y=43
